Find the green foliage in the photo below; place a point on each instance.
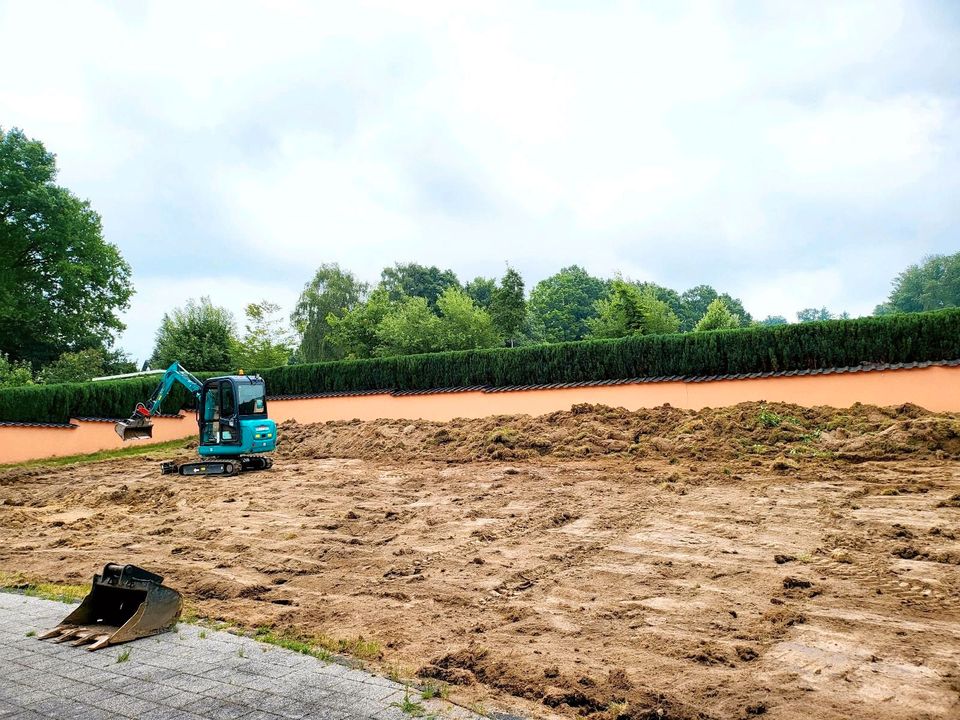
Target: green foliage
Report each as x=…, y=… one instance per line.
x=408, y=328
x=696, y=301
x=508, y=309
x=354, y=334
x=931, y=285
x=562, y=303
x=769, y=418
x=413, y=280
x=773, y=321
x=201, y=336
x=331, y=292
x=266, y=342
x=464, y=326
x=628, y=310
x=73, y=367
x=717, y=317
x=14, y=373
x=836, y=343
x=664, y=294
x=814, y=315
x=481, y=291
x=61, y=285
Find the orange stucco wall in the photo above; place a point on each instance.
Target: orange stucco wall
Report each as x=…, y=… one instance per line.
x=29, y=443
x=935, y=388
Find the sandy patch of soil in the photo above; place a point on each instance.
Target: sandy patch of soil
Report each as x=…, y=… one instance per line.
x=758, y=560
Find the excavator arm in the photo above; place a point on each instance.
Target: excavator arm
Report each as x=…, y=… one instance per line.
x=138, y=426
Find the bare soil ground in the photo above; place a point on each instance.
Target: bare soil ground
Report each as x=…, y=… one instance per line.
x=756, y=560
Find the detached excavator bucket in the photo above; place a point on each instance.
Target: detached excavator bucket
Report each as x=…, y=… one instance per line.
x=136, y=428
x=125, y=603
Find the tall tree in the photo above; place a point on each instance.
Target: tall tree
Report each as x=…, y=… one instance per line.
x=508, y=308
x=354, y=334
x=773, y=321
x=931, y=285
x=628, y=310
x=481, y=290
x=413, y=280
x=200, y=335
x=664, y=294
x=717, y=317
x=267, y=342
x=696, y=300
x=464, y=326
x=562, y=303
x=409, y=328
x=61, y=284
x=814, y=314
x=331, y=292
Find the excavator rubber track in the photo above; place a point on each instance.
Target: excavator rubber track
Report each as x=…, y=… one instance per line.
x=218, y=466
x=125, y=603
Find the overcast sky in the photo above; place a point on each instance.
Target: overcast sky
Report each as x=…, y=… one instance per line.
x=793, y=154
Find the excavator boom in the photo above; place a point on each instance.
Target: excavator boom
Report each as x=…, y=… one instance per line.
x=139, y=426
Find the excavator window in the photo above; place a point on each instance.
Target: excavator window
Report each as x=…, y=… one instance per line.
x=252, y=400
x=227, y=407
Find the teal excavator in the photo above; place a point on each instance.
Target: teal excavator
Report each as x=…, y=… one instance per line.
x=231, y=413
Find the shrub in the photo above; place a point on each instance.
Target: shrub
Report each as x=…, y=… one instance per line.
x=833, y=343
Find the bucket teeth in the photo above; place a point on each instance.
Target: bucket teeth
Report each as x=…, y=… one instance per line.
x=54, y=632
x=68, y=634
x=84, y=637
x=101, y=641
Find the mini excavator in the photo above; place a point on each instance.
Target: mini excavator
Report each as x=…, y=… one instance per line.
x=231, y=413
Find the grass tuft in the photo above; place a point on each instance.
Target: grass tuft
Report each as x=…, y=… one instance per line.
x=124, y=656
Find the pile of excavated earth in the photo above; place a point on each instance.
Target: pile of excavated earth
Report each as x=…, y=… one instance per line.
x=759, y=560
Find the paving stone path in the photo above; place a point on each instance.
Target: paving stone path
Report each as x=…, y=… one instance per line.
x=189, y=673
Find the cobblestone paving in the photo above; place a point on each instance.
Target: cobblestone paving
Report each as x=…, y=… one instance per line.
x=180, y=675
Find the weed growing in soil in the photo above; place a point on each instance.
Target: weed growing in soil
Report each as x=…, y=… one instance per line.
x=410, y=707
x=296, y=644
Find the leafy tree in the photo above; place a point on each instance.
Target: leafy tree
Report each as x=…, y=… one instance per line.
x=409, y=328
x=266, y=343
x=773, y=320
x=61, y=284
x=464, y=326
x=73, y=367
x=696, y=301
x=931, y=285
x=717, y=317
x=200, y=335
x=331, y=292
x=14, y=373
x=508, y=307
x=814, y=314
x=354, y=334
x=628, y=310
x=413, y=280
x=562, y=303
x=664, y=294
x=481, y=291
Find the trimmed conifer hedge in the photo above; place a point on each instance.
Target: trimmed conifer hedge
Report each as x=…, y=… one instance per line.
x=833, y=343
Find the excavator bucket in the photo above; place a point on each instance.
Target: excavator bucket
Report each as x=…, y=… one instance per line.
x=125, y=603
x=136, y=428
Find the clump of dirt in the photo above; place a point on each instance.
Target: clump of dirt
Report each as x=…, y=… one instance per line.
x=786, y=433
x=592, y=564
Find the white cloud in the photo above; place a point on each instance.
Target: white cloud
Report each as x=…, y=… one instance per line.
x=776, y=151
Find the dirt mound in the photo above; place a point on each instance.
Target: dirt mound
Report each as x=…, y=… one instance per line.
x=750, y=429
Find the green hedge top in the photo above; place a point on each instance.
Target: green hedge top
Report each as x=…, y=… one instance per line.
x=834, y=343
